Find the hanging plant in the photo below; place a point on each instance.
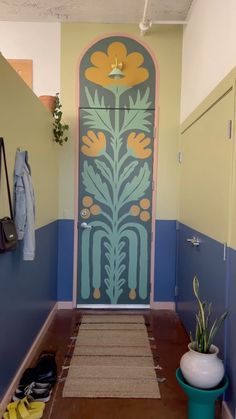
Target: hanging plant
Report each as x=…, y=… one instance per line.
x=59, y=127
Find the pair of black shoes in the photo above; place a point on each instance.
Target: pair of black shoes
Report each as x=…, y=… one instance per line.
x=37, y=382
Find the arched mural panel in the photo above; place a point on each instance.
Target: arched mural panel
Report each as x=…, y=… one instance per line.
x=116, y=130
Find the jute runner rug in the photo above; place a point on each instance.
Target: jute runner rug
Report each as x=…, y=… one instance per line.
x=112, y=358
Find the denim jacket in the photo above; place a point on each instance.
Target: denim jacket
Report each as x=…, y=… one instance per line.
x=24, y=204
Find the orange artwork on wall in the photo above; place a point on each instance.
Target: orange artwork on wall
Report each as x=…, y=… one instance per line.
x=24, y=68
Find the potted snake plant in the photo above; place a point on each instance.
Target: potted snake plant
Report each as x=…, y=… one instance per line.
x=201, y=366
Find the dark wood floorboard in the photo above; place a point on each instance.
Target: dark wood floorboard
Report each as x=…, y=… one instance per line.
x=171, y=342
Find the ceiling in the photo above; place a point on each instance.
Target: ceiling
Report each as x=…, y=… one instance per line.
x=101, y=11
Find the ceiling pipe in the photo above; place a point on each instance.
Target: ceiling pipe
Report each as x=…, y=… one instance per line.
x=145, y=23
x=170, y=22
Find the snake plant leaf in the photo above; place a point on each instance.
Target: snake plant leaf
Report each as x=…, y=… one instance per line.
x=94, y=185
x=136, y=188
x=200, y=304
x=204, y=335
x=209, y=311
x=215, y=328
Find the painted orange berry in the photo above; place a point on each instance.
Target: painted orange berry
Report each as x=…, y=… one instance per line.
x=87, y=201
x=145, y=203
x=145, y=216
x=95, y=209
x=134, y=210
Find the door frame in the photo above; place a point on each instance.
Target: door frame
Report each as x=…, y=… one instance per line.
x=154, y=180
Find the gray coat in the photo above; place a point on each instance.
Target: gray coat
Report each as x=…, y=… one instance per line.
x=24, y=204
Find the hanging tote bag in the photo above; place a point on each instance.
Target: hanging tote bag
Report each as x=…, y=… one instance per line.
x=8, y=235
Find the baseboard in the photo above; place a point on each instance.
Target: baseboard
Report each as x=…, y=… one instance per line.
x=28, y=359
x=226, y=414
x=114, y=306
x=65, y=305
x=163, y=305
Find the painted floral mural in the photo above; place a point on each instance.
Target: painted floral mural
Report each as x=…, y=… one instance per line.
x=116, y=149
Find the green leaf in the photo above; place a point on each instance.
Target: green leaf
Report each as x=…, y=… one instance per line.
x=107, y=246
x=108, y=270
x=136, y=120
x=121, y=246
x=136, y=117
x=121, y=257
x=127, y=171
x=98, y=116
x=204, y=336
x=120, y=283
x=215, y=328
x=58, y=125
x=121, y=269
x=137, y=187
x=94, y=185
x=104, y=169
x=200, y=304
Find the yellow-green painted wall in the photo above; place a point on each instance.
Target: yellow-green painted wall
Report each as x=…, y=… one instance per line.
x=25, y=123
x=208, y=170
x=166, y=44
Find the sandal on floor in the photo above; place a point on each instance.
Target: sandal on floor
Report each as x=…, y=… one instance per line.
x=33, y=405
x=30, y=410
x=11, y=411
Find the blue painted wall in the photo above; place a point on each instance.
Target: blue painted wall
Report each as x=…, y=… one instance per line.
x=165, y=260
x=28, y=291
x=217, y=284
x=65, y=260
x=230, y=396
x=207, y=262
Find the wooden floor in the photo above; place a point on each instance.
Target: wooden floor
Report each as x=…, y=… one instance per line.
x=170, y=341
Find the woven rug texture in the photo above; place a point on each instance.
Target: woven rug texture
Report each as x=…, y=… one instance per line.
x=112, y=359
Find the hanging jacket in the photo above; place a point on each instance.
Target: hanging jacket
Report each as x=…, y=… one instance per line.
x=24, y=204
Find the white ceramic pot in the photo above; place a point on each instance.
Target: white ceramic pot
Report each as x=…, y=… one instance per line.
x=202, y=370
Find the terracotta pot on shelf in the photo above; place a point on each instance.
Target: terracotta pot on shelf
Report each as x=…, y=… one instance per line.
x=49, y=102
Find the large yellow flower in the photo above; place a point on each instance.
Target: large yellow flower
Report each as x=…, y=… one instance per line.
x=94, y=145
x=133, y=72
x=137, y=144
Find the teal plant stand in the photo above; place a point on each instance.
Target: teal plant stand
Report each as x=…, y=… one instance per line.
x=201, y=403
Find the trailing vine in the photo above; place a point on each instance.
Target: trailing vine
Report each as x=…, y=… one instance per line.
x=59, y=127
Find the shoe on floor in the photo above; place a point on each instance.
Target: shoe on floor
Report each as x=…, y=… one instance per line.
x=36, y=394
x=24, y=409
x=44, y=372
x=29, y=376
x=46, y=368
